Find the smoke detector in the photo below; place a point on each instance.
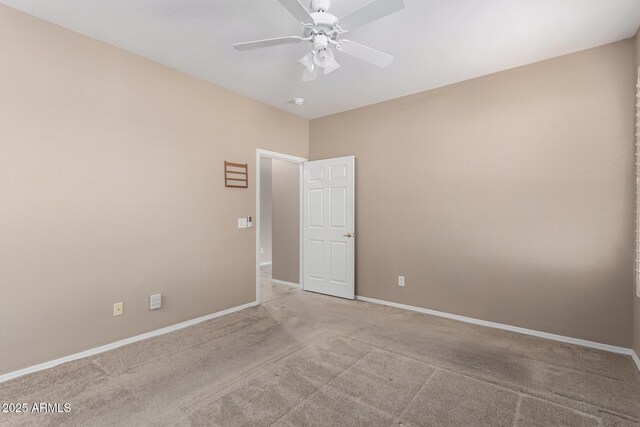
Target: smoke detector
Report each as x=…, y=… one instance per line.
x=298, y=101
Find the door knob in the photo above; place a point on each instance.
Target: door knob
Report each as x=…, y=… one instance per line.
x=349, y=235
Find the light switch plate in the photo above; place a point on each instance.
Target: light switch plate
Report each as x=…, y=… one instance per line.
x=401, y=281
x=242, y=222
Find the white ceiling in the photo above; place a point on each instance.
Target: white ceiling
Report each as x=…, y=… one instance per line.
x=435, y=42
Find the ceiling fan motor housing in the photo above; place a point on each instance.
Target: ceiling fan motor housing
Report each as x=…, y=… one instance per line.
x=320, y=42
x=323, y=23
x=320, y=5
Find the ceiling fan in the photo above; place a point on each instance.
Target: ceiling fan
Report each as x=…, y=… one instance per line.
x=324, y=30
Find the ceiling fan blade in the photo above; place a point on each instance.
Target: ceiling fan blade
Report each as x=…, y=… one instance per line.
x=309, y=76
x=375, y=10
x=365, y=53
x=257, y=44
x=297, y=10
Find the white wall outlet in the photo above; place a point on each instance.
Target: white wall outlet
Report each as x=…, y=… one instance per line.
x=242, y=222
x=155, y=301
x=118, y=309
x=401, y=281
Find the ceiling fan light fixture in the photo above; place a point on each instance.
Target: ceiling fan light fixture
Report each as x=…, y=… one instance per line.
x=331, y=67
x=309, y=76
x=308, y=62
x=324, y=58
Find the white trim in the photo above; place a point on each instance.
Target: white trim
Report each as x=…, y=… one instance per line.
x=635, y=358
x=301, y=228
x=258, y=245
x=264, y=264
x=107, y=347
x=280, y=156
x=576, y=341
x=282, y=282
x=287, y=158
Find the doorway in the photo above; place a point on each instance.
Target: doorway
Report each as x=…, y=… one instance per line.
x=278, y=214
x=310, y=242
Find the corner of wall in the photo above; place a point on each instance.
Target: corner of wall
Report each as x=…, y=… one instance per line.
x=636, y=299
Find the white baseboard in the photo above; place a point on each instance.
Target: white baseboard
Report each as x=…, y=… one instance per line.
x=182, y=325
x=576, y=341
x=107, y=347
x=635, y=358
x=264, y=264
x=282, y=282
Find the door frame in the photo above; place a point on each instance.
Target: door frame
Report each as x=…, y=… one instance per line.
x=260, y=153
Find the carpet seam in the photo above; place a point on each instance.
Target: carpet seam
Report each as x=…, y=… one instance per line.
x=322, y=386
x=417, y=393
x=366, y=403
x=515, y=420
x=246, y=376
x=513, y=388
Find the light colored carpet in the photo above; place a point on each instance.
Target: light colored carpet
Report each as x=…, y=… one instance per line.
x=306, y=359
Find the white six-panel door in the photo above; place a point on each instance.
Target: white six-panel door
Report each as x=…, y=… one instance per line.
x=329, y=227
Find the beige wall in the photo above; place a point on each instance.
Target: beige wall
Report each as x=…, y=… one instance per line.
x=636, y=311
x=265, y=209
x=286, y=223
x=508, y=198
x=111, y=189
